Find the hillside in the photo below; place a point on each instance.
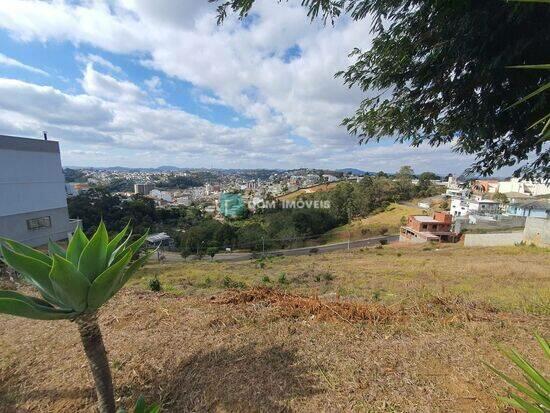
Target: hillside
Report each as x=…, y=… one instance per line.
x=385, y=222
x=310, y=190
x=398, y=328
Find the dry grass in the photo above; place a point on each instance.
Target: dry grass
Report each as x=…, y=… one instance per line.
x=386, y=222
x=310, y=190
x=381, y=333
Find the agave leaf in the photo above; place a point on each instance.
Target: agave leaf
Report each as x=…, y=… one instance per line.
x=26, y=308
x=140, y=405
x=36, y=271
x=131, y=270
x=26, y=250
x=107, y=282
x=136, y=245
x=530, y=95
x=545, y=66
x=76, y=246
x=518, y=386
x=544, y=345
x=27, y=298
x=54, y=248
x=113, y=244
x=525, y=405
x=119, y=250
x=93, y=259
x=528, y=369
x=70, y=285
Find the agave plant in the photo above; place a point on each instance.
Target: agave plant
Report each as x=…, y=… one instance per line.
x=74, y=284
x=141, y=407
x=534, y=395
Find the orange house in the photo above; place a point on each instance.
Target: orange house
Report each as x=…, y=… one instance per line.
x=422, y=228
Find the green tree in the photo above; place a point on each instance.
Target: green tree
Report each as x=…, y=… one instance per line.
x=443, y=83
x=74, y=284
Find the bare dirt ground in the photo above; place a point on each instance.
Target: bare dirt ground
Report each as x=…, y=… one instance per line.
x=381, y=333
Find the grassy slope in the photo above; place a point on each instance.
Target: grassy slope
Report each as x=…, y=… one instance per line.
x=390, y=220
x=318, y=188
x=451, y=307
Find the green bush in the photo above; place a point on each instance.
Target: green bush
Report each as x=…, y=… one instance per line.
x=282, y=278
x=155, y=285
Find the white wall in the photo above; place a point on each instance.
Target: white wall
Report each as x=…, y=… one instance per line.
x=30, y=181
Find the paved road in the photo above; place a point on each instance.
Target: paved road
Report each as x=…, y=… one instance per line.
x=243, y=256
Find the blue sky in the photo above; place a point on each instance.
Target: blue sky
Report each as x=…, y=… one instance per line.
x=141, y=83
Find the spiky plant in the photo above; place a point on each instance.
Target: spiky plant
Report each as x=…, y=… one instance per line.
x=534, y=394
x=74, y=284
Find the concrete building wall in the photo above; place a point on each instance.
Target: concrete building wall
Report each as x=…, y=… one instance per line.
x=537, y=231
x=32, y=186
x=493, y=240
x=16, y=227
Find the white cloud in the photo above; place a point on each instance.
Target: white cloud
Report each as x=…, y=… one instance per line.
x=8, y=61
x=241, y=66
x=100, y=61
x=107, y=87
x=153, y=84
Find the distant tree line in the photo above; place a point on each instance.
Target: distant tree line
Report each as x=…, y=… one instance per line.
x=116, y=212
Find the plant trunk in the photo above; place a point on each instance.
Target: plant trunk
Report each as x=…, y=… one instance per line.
x=90, y=334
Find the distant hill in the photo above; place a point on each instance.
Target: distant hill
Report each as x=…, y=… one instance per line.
x=353, y=171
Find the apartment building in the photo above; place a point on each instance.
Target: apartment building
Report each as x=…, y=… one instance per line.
x=33, y=203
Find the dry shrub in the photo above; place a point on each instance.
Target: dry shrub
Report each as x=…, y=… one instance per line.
x=445, y=308
x=292, y=305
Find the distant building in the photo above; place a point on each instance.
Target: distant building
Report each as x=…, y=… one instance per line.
x=161, y=195
x=75, y=188
x=462, y=207
x=421, y=228
x=33, y=205
x=537, y=209
x=516, y=185
x=232, y=205
x=143, y=189
x=162, y=239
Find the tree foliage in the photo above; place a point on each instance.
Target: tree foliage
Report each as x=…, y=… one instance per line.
x=438, y=72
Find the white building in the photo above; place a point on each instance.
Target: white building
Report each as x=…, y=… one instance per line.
x=161, y=195
x=523, y=187
x=33, y=203
x=462, y=207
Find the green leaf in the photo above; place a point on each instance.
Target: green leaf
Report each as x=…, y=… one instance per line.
x=524, y=405
x=140, y=405
x=136, y=245
x=76, y=246
x=113, y=244
x=53, y=248
x=36, y=271
x=26, y=250
x=136, y=265
x=543, y=67
x=528, y=369
x=107, y=282
x=119, y=250
x=518, y=386
x=94, y=256
x=27, y=298
x=22, y=306
x=69, y=284
x=544, y=345
x=530, y=95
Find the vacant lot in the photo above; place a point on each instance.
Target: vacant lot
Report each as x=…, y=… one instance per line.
x=381, y=223
x=291, y=196
x=382, y=330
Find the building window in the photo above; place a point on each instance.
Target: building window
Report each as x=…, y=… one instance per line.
x=37, y=223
